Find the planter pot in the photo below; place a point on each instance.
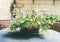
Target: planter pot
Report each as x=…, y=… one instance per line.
x=24, y=33
x=29, y=32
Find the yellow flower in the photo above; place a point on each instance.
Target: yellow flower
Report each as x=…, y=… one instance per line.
x=10, y=28
x=38, y=22
x=31, y=19
x=22, y=21
x=42, y=17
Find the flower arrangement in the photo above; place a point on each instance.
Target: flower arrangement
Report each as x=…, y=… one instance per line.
x=33, y=21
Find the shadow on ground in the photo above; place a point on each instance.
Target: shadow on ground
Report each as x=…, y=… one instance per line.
x=18, y=35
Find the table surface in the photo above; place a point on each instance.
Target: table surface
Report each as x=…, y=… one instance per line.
x=53, y=36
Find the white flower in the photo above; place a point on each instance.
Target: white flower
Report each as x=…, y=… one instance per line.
x=18, y=29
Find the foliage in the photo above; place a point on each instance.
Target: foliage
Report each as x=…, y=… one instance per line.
x=48, y=21
x=32, y=20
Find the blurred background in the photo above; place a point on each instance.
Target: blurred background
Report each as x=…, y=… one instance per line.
x=11, y=8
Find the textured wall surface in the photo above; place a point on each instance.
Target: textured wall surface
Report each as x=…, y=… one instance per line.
x=27, y=5
x=5, y=12
x=5, y=9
